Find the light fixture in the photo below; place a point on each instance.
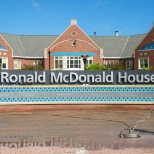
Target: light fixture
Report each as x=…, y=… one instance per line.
x=84, y=56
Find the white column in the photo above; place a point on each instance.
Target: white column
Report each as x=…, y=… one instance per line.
x=45, y=53
x=65, y=62
x=82, y=64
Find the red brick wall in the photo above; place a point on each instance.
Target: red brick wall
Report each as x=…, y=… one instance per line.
x=64, y=43
x=27, y=61
x=8, y=53
x=147, y=40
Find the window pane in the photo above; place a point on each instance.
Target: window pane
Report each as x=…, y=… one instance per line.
x=3, y=60
x=71, y=61
x=141, y=61
x=76, y=62
x=56, y=62
x=145, y=61
x=3, y=65
x=90, y=61
x=60, y=62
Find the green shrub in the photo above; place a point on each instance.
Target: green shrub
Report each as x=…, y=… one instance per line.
x=31, y=67
x=115, y=66
x=95, y=66
x=146, y=68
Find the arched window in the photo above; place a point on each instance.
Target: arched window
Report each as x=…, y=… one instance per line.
x=148, y=47
x=2, y=47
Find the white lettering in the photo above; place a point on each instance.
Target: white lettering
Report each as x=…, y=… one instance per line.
x=73, y=80
x=139, y=78
x=35, y=77
x=13, y=78
x=90, y=78
x=30, y=78
x=131, y=78
x=146, y=78
x=98, y=79
x=152, y=78
x=109, y=78
x=103, y=77
x=41, y=78
x=120, y=77
x=4, y=77
x=65, y=78
x=82, y=78
x=22, y=78
x=58, y=79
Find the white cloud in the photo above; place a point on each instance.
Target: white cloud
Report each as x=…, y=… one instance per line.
x=36, y=5
x=100, y=3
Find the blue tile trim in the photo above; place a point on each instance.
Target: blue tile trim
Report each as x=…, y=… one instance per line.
x=73, y=54
x=79, y=89
x=76, y=89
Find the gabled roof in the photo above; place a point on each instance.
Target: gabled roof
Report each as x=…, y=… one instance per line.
x=118, y=46
x=131, y=45
x=34, y=45
x=28, y=45
x=112, y=45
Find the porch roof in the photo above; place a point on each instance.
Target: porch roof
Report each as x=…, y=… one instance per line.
x=73, y=54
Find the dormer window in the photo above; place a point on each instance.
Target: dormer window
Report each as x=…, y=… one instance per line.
x=74, y=43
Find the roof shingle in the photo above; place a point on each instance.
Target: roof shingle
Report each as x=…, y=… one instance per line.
x=34, y=45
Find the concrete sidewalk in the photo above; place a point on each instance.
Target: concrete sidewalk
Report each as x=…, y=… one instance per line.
x=75, y=131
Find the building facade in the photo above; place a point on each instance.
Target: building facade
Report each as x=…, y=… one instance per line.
x=66, y=51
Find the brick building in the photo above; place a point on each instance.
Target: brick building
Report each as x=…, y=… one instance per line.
x=66, y=51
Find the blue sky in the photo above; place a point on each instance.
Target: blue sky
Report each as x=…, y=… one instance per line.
x=52, y=17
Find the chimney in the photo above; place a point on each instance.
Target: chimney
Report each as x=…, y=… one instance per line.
x=73, y=22
x=94, y=33
x=116, y=33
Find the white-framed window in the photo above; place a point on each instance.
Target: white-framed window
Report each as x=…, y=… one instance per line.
x=59, y=62
x=73, y=62
x=129, y=64
x=3, y=63
x=89, y=61
x=143, y=62
x=17, y=64
x=35, y=63
x=109, y=62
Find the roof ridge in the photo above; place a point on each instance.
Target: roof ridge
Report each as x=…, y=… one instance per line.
x=139, y=34
x=22, y=45
x=124, y=45
x=27, y=34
